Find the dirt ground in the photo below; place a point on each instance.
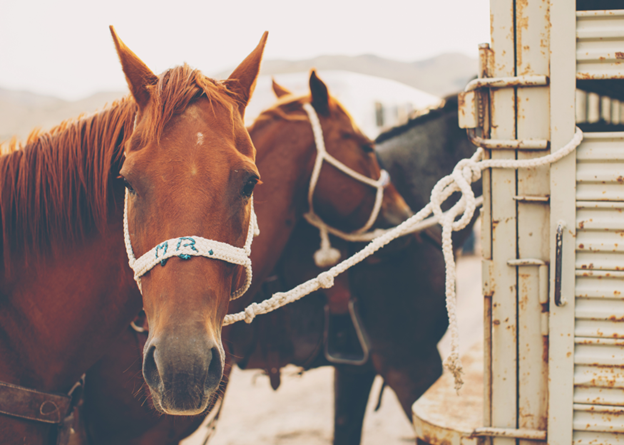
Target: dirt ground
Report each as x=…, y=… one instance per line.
x=301, y=410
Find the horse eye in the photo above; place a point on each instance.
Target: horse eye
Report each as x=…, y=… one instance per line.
x=249, y=187
x=128, y=186
x=368, y=148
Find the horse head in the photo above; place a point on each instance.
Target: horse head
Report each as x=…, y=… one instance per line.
x=190, y=173
x=341, y=199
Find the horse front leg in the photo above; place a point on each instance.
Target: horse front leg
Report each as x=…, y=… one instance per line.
x=352, y=386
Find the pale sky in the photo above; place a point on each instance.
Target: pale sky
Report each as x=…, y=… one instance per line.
x=64, y=48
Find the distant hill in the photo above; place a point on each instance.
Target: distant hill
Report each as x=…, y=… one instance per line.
x=440, y=75
x=21, y=111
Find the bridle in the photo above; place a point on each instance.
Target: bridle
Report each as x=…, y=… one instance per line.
x=328, y=256
x=186, y=247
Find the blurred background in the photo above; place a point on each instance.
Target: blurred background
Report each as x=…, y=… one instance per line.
x=381, y=59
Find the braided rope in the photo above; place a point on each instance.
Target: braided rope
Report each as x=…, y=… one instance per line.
x=464, y=173
x=327, y=255
x=186, y=247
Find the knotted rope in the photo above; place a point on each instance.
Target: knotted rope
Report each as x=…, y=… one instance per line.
x=185, y=247
x=327, y=255
x=464, y=173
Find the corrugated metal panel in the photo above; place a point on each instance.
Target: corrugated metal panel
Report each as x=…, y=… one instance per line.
x=587, y=438
x=600, y=42
x=600, y=167
x=599, y=291
x=598, y=418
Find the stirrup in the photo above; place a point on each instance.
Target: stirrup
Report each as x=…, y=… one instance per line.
x=345, y=357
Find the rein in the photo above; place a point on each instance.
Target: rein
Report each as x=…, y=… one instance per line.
x=185, y=247
x=327, y=255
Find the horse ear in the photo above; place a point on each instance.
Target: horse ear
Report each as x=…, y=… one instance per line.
x=138, y=75
x=279, y=90
x=246, y=74
x=319, y=93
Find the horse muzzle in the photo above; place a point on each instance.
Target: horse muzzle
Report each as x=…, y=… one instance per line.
x=183, y=372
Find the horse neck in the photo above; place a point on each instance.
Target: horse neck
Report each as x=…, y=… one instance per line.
x=285, y=156
x=58, y=314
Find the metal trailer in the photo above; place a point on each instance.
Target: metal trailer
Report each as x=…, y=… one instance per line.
x=551, y=366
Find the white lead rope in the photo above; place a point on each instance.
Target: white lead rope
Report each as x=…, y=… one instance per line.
x=464, y=173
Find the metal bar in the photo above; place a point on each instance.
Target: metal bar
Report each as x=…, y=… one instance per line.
x=510, y=144
x=558, y=262
x=507, y=82
x=525, y=262
x=600, y=273
x=599, y=408
x=510, y=432
x=525, y=198
x=598, y=341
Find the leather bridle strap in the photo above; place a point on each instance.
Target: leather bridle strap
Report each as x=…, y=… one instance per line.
x=30, y=404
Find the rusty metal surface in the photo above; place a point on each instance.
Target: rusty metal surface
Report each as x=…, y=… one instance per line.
x=507, y=82
x=521, y=433
x=468, y=109
x=599, y=290
x=509, y=144
x=600, y=44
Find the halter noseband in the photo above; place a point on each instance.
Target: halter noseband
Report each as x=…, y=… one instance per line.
x=187, y=246
x=327, y=255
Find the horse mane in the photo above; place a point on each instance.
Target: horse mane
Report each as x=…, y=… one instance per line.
x=448, y=105
x=57, y=187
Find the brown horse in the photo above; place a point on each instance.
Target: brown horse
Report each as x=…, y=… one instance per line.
x=286, y=155
x=66, y=290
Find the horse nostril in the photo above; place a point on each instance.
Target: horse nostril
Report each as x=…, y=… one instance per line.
x=150, y=369
x=215, y=369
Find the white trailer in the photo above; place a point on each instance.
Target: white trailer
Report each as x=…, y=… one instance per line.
x=551, y=366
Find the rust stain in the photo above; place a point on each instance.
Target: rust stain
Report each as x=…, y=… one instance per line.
x=620, y=179
x=619, y=55
x=568, y=354
x=581, y=246
x=496, y=322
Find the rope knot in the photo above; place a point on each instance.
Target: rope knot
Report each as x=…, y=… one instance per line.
x=250, y=312
x=326, y=280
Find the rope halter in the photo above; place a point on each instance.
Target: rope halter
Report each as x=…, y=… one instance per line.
x=327, y=255
x=185, y=247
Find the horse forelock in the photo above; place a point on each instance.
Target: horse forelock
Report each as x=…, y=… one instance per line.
x=177, y=88
x=56, y=187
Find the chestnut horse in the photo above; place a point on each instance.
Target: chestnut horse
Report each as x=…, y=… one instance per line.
x=115, y=409
x=66, y=291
